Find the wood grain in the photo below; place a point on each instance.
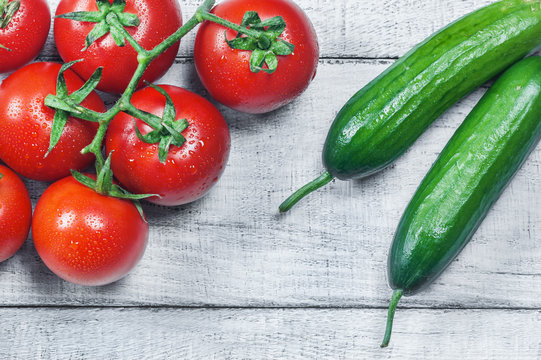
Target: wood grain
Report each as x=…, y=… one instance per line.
x=266, y=334
x=233, y=249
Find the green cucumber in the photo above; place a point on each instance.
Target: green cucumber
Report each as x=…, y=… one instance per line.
x=467, y=178
x=382, y=120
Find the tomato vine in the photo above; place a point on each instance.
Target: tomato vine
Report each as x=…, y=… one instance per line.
x=260, y=37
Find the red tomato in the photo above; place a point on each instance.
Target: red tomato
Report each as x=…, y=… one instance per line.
x=159, y=19
x=25, y=34
x=15, y=213
x=25, y=124
x=191, y=169
x=225, y=72
x=87, y=238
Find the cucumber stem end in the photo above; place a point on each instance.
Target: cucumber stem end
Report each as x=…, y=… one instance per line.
x=397, y=294
x=322, y=180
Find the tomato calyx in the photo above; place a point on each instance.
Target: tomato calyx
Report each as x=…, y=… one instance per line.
x=65, y=104
x=107, y=16
x=7, y=11
x=266, y=45
x=103, y=185
x=169, y=131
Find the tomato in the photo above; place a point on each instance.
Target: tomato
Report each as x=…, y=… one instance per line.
x=225, y=72
x=87, y=238
x=15, y=213
x=25, y=124
x=159, y=19
x=25, y=34
x=191, y=169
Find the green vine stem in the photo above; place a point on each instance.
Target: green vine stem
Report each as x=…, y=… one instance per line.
x=240, y=29
x=144, y=58
x=112, y=19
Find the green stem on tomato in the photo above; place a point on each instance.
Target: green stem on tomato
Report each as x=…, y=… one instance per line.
x=124, y=100
x=7, y=11
x=83, y=113
x=240, y=29
x=122, y=104
x=197, y=18
x=144, y=58
x=95, y=145
x=112, y=20
x=152, y=120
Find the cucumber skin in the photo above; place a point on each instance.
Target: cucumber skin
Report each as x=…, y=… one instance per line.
x=467, y=178
x=382, y=120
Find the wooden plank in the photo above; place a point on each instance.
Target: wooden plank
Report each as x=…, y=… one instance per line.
x=359, y=29
x=266, y=334
x=233, y=249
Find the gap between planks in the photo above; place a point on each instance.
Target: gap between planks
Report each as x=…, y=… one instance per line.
x=300, y=307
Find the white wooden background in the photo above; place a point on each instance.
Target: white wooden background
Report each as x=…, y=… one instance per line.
x=228, y=277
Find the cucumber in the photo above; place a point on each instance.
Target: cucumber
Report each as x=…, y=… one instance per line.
x=467, y=178
x=381, y=121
